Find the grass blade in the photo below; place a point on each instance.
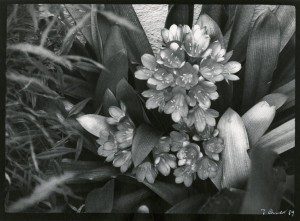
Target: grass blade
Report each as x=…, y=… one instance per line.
x=40, y=193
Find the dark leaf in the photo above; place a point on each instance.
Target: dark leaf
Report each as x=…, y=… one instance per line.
x=144, y=140
x=77, y=108
x=244, y=18
x=119, y=20
x=126, y=203
x=217, y=13
x=241, y=25
x=227, y=201
x=261, y=59
x=180, y=14
x=289, y=90
x=115, y=60
x=289, y=189
x=265, y=185
x=76, y=88
x=279, y=139
x=126, y=94
x=189, y=205
x=101, y=200
x=137, y=43
x=285, y=71
x=171, y=193
x=98, y=174
x=109, y=100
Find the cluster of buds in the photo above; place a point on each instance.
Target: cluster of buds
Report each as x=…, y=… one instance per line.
x=115, y=144
x=182, y=76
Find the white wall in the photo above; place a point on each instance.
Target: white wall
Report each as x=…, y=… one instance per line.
x=153, y=17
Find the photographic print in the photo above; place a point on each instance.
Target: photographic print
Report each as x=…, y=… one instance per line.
x=150, y=108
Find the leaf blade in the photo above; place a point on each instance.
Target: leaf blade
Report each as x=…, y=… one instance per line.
x=257, y=120
x=101, y=200
x=143, y=142
x=279, y=139
x=235, y=160
x=261, y=58
x=93, y=123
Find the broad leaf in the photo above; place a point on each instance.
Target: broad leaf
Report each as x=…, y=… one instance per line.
x=126, y=203
x=286, y=15
x=241, y=25
x=137, y=43
x=257, y=120
x=189, y=205
x=289, y=90
x=143, y=142
x=180, y=14
x=235, y=160
x=171, y=193
x=261, y=59
x=101, y=200
x=227, y=201
x=285, y=71
x=244, y=18
x=217, y=13
x=126, y=94
x=99, y=174
x=93, y=123
x=115, y=60
x=275, y=99
x=279, y=139
x=265, y=185
x=109, y=100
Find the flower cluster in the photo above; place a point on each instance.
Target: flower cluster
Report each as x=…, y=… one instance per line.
x=182, y=76
x=182, y=82
x=115, y=144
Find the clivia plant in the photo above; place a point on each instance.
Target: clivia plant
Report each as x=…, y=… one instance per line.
x=200, y=122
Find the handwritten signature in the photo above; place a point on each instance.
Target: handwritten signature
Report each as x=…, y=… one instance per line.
x=282, y=212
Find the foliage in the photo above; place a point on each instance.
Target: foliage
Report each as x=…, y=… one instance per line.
x=76, y=93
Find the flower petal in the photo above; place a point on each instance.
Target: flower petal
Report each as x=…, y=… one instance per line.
x=149, y=61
